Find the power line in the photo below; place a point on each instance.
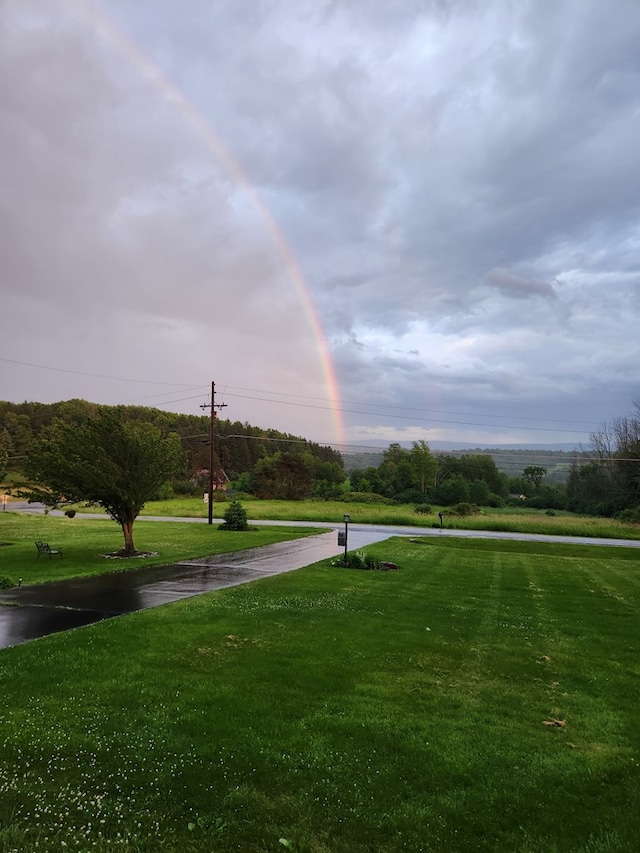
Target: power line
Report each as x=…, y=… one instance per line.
x=409, y=417
x=341, y=403
x=370, y=450
x=338, y=404
x=95, y=375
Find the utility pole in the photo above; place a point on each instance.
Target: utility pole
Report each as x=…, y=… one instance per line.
x=213, y=406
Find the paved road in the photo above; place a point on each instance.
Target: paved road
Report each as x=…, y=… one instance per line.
x=379, y=531
x=47, y=608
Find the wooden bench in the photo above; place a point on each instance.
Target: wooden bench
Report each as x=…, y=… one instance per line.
x=45, y=548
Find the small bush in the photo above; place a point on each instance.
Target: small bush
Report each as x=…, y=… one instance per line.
x=629, y=516
x=423, y=509
x=357, y=560
x=163, y=493
x=367, y=498
x=6, y=582
x=235, y=517
x=409, y=496
x=464, y=509
x=70, y=513
x=186, y=487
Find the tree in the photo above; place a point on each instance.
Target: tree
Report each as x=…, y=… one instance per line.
x=284, y=476
x=423, y=465
x=4, y=459
x=235, y=517
x=107, y=460
x=19, y=429
x=533, y=476
x=395, y=471
x=479, y=492
x=617, y=446
x=6, y=446
x=482, y=467
x=627, y=456
x=454, y=490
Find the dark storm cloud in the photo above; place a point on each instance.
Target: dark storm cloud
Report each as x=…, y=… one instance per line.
x=458, y=183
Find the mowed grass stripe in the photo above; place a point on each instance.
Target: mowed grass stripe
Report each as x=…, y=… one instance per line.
x=317, y=707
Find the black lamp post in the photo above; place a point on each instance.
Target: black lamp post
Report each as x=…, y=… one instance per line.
x=347, y=519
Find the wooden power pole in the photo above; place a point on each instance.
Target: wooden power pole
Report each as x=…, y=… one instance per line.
x=213, y=406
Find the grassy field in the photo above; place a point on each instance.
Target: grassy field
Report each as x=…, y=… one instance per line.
x=83, y=542
x=482, y=698
x=506, y=519
x=511, y=519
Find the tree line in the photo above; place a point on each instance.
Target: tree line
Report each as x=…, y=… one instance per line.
x=238, y=447
x=271, y=464
x=609, y=485
x=416, y=475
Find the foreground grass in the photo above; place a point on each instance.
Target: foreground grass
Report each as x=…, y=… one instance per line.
x=83, y=542
x=342, y=711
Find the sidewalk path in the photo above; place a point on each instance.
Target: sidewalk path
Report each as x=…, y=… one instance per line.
x=46, y=608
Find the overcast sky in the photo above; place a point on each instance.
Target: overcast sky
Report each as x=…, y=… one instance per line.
x=424, y=214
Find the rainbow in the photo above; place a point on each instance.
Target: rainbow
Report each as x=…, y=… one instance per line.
x=115, y=37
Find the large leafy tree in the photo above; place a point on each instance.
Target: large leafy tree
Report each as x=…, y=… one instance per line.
x=106, y=459
x=283, y=476
x=423, y=465
x=533, y=476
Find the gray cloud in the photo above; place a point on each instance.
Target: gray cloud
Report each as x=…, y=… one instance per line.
x=453, y=185
x=512, y=285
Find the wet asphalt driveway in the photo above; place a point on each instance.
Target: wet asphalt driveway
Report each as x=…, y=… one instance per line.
x=47, y=608
x=61, y=605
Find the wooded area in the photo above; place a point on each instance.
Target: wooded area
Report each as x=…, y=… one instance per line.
x=605, y=480
x=237, y=446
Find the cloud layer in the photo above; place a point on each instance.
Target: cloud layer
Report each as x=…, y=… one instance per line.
x=451, y=189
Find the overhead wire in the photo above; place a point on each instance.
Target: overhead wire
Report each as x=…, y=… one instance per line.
x=366, y=409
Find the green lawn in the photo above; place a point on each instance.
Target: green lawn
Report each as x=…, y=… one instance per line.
x=483, y=698
x=84, y=541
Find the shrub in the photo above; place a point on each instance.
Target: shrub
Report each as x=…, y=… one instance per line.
x=464, y=509
x=6, y=582
x=409, y=496
x=452, y=491
x=163, y=493
x=367, y=498
x=357, y=560
x=423, y=509
x=629, y=516
x=70, y=513
x=235, y=517
x=186, y=487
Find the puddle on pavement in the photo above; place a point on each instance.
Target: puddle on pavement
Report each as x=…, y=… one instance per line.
x=47, y=608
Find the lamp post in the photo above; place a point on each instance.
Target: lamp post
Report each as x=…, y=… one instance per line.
x=347, y=519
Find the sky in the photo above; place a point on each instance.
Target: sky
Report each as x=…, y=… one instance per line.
x=364, y=221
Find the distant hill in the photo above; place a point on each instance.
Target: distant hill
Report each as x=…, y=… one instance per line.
x=510, y=459
x=437, y=446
